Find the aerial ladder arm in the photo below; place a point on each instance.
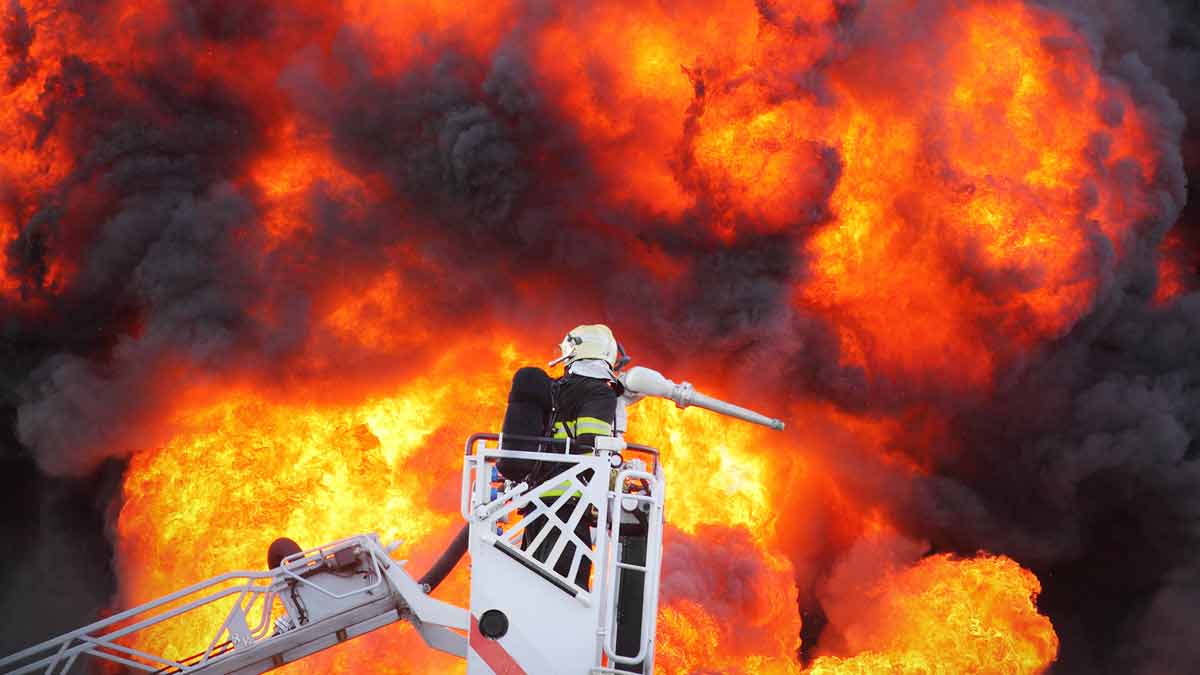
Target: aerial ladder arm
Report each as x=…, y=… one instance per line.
x=312, y=601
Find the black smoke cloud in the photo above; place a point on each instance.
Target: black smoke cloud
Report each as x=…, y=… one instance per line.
x=717, y=568
x=161, y=259
x=1083, y=465
x=1086, y=470
x=148, y=221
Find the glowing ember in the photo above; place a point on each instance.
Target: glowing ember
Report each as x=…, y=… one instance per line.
x=1174, y=275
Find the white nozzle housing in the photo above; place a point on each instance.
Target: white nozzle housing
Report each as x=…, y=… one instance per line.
x=652, y=383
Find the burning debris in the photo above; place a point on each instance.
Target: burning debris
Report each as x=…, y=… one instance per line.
x=281, y=257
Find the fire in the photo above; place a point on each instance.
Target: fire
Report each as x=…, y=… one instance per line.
x=691, y=640
x=296, y=164
x=947, y=615
x=733, y=615
x=247, y=469
x=951, y=186
x=1174, y=275
x=956, y=240
x=728, y=479
x=29, y=158
x=973, y=171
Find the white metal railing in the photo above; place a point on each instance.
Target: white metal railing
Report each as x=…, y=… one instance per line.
x=254, y=591
x=480, y=506
x=650, y=571
x=306, y=560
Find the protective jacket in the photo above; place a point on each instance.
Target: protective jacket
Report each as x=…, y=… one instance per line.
x=586, y=407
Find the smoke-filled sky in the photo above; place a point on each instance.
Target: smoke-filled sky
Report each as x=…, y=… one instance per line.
x=961, y=231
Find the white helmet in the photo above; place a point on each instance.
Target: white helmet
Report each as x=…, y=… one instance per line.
x=591, y=341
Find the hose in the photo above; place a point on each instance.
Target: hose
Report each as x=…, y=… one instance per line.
x=446, y=562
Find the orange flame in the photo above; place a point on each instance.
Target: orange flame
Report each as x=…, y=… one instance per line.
x=948, y=615
x=989, y=188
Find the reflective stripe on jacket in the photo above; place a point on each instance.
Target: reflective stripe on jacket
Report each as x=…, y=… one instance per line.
x=582, y=425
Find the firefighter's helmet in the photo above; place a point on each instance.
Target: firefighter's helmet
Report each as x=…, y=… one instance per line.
x=591, y=341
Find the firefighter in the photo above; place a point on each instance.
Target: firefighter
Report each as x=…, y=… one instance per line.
x=585, y=406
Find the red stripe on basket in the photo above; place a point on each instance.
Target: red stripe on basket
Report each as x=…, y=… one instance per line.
x=493, y=653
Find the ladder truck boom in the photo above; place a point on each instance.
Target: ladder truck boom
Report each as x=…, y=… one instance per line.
x=314, y=600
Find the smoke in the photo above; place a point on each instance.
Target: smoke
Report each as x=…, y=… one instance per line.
x=161, y=245
x=717, y=578
x=146, y=272
x=57, y=569
x=850, y=593
x=1086, y=471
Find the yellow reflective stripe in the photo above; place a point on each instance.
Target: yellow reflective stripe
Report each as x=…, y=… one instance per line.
x=592, y=425
x=583, y=425
x=559, y=489
x=557, y=492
